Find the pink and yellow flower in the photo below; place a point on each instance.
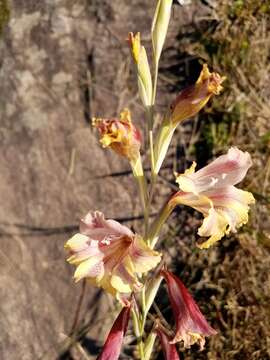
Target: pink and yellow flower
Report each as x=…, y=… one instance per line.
x=192, y=99
x=112, y=347
x=120, y=134
x=109, y=255
x=211, y=191
x=191, y=325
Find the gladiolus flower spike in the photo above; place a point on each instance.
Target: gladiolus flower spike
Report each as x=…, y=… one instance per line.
x=109, y=255
x=112, y=347
x=191, y=326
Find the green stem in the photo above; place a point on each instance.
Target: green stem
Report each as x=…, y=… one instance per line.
x=143, y=309
x=140, y=319
x=138, y=173
x=152, y=156
x=138, y=332
x=155, y=83
x=158, y=223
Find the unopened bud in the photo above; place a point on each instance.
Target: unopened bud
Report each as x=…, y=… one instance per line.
x=143, y=70
x=192, y=99
x=160, y=26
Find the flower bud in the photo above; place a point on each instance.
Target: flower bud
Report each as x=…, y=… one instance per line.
x=188, y=103
x=191, y=325
x=120, y=134
x=192, y=99
x=160, y=26
x=112, y=347
x=143, y=70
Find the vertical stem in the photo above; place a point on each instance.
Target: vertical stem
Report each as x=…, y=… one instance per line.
x=150, y=115
x=155, y=83
x=158, y=223
x=138, y=173
x=138, y=332
x=143, y=308
x=152, y=155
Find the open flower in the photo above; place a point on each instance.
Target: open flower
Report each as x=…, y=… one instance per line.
x=191, y=325
x=112, y=347
x=109, y=255
x=120, y=134
x=192, y=99
x=211, y=191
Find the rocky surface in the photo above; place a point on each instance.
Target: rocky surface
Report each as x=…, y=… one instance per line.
x=52, y=167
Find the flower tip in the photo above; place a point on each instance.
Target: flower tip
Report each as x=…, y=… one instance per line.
x=76, y=278
x=95, y=121
x=125, y=115
x=214, y=80
x=205, y=73
x=134, y=42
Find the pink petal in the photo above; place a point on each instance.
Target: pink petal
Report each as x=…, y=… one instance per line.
x=123, y=280
x=142, y=256
x=92, y=267
x=169, y=350
x=112, y=347
x=226, y=170
x=91, y=250
x=97, y=227
x=229, y=212
x=198, y=202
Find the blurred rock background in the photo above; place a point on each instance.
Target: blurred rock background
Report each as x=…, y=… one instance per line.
x=63, y=62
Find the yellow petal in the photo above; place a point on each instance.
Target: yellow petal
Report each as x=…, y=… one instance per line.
x=185, y=183
x=214, y=225
x=145, y=258
x=125, y=115
x=135, y=45
x=77, y=243
x=120, y=285
x=85, y=267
